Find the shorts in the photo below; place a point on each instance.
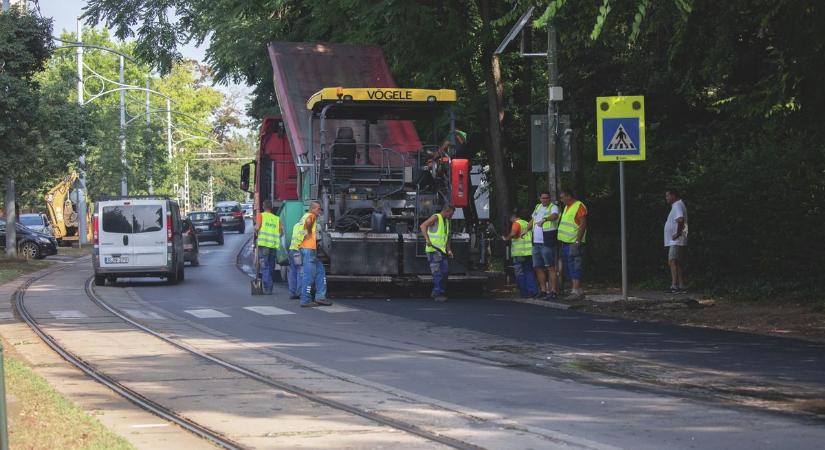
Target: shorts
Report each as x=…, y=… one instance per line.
x=573, y=257
x=676, y=252
x=544, y=256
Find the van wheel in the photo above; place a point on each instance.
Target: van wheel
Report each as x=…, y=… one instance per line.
x=243, y=229
x=220, y=240
x=100, y=280
x=173, y=278
x=195, y=262
x=181, y=273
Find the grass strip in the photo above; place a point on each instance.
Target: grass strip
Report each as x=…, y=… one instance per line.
x=41, y=418
x=13, y=268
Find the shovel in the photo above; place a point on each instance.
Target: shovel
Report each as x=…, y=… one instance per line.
x=257, y=283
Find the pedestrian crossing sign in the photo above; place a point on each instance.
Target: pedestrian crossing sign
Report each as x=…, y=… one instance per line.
x=620, y=128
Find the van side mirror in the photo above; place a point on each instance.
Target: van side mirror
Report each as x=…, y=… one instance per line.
x=245, y=172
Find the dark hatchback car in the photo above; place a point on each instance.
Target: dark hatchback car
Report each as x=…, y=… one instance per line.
x=30, y=244
x=207, y=225
x=231, y=216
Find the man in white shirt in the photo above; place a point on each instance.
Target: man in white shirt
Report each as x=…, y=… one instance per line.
x=544, y=223
x=676, y=231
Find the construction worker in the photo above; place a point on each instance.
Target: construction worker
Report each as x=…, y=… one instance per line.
x=573, y=235
x=544, y=224
x=521, y=249
x=442, y=156
x=269, y=230
x=313, y=268
x=295, y=272
x=436, y=232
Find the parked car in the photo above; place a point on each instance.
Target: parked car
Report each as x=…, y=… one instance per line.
x=30, y=243
x=231, y=216
x=38, y=223
x=207, y=226
x=247, y=210
x=191, y=247
x=137, y=237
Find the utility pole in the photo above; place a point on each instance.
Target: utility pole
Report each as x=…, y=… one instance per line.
x=553, y=95
x=186, y=187
x=151, y=155
x=81, y=164
x=124, y=187
x=169, y=129
x=11, y=236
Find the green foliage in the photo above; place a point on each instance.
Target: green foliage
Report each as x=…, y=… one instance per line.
x=637, y=19
x=39, y=132
x=604, y=10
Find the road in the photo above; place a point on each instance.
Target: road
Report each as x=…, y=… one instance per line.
x=510, y=361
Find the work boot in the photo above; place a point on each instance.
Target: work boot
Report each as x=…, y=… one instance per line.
x=575, y=297
x=323, y=302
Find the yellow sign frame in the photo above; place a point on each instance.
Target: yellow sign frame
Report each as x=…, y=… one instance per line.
x=617, y=113
x=382, y=95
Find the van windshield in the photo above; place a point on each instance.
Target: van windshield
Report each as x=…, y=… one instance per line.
x=132, y=219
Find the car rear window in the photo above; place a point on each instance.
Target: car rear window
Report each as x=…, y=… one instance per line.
x=31, y=220
x=226, y=209
x=202, y=216
x=132, y=219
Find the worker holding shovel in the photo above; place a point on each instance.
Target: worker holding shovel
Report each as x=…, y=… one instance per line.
x=436, y=231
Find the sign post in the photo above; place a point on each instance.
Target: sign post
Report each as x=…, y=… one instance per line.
x=620, y=137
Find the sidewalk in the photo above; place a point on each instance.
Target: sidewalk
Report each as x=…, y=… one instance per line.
x=800, y=321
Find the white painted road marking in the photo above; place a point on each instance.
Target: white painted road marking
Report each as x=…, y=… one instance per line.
x=268, y=310
x=151, y=425
x=68, y=314
x=336, y=309
x=205, y=313
x=138, y=314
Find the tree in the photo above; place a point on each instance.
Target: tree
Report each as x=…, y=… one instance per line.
x=39, y=134
x=193, y=103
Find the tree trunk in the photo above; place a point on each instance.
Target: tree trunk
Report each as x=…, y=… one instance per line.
x=11, y=220
x=495, y=116
x=577, y=162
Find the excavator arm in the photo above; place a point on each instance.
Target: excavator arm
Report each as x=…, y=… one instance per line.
x=60, y=208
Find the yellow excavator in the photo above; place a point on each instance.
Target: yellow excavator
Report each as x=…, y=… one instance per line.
x=61, y=204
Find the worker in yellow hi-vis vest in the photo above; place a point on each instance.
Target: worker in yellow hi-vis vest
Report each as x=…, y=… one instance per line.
x=573, y=235
x=521, y=249
x=269, y=230
x=436, y=232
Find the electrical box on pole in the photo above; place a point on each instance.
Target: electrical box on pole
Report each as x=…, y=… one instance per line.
x=539, y=139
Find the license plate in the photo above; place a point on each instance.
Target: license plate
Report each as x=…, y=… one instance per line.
x=202, y=227
x=116, y=260
x=225, y=219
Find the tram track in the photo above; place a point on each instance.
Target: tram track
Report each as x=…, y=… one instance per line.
x=197, y=429
x=125, y=392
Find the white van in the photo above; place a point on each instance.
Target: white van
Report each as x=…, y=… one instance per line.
x=137, y=237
